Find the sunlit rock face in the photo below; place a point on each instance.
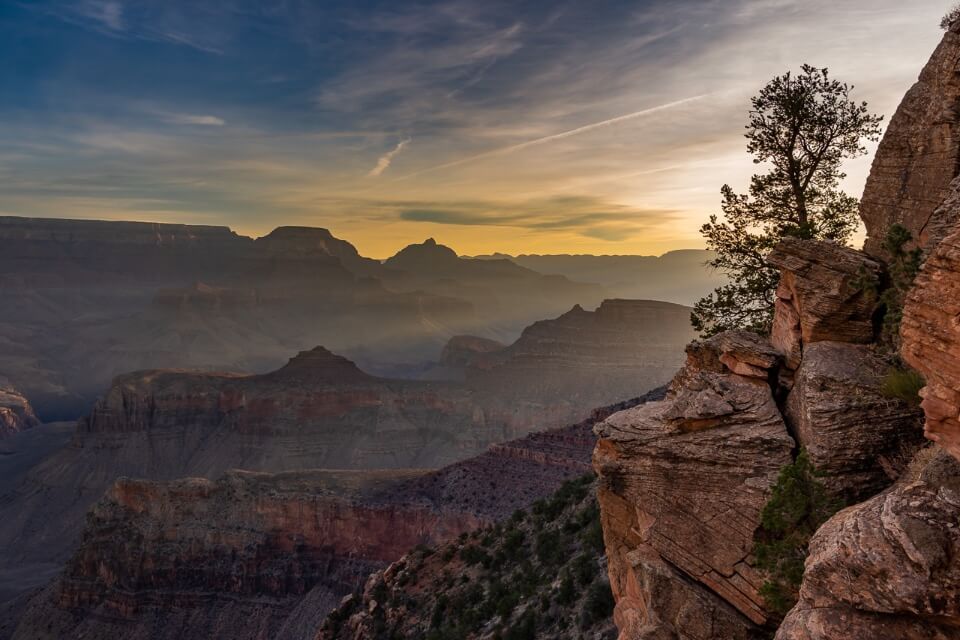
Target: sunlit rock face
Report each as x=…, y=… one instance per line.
x=821, y=295
x=931, y=341
x=918, y=157
x=683, y=482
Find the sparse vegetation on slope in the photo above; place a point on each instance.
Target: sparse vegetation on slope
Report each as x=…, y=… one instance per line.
x=539, y=574
x=798, y=506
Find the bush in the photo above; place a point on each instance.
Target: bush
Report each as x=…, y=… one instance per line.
x=903, y=384
x=525, y=628
x=598, y=605
x=797, y=507
x=951, y=17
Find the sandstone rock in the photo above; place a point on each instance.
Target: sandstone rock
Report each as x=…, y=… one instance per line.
x=852, y=432
x=470, y=351
x=16, y=414
x=820, y=296
x=684, y=480
x=930, y=332
x=888, y=567
x=918, y=156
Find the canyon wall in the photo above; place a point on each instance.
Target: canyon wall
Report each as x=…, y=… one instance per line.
x=16, y=414
x=254, y=555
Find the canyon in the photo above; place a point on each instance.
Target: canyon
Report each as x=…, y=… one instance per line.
x=257, y=555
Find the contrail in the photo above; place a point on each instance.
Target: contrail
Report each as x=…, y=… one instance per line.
x=555, y=136
x=384, y=161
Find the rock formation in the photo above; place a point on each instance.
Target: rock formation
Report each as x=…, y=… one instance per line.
x=853, y=432
x=919, y=155
x=253, y=555
x=88, y=300
x=887, y=567
x=16, y=414
x=821, y=296
x=682, y=485
x=931, y=340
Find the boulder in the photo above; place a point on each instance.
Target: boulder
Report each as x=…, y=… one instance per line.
x=888, y=567
x=683, y=482
x=856, y=435
x=930, y=332
x=821, y=295
x=918, y=157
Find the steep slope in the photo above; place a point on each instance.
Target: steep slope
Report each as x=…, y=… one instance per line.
x=538, y=574
x=918, y=157
x=254, y=555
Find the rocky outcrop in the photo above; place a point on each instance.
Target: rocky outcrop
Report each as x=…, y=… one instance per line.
x=682, y=485
x=931, y=340
x=887, y=567
x=858, y=436
x=919, y=155
x=823, y=295
x=16, y=414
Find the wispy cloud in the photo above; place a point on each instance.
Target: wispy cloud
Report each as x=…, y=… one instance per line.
x=383, y=162
x=192, y=119
x=557, y=136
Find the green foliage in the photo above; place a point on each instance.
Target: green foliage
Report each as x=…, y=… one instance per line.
x=802, y=127
x=798, y=505
x=598, y=605
x=903, y=384
x=903, y=266
x=525, y=628
x=567, y=592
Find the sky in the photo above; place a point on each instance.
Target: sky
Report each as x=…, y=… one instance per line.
x=492, y=125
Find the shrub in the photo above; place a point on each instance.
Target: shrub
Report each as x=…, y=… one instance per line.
x=525, y=628
x=903, y=384
x=567, y=592
x=548, y=547
x=598, y=604
x=951, y=17
x=797, y=507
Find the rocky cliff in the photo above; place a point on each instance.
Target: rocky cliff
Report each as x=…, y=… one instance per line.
x=679, y=534
x=919, y=156
x=683, y=482
x=253, y=555
x=16, y=414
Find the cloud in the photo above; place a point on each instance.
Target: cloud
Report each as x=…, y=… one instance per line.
x=109, y=13
x=200, y=120
x=558, y=136
x=588, y=216
x=383, y=162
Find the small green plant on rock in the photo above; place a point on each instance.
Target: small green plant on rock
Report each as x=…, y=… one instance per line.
x=903, y=384
x=797, y=507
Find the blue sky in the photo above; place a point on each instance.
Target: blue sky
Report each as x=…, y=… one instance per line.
x=603, y=127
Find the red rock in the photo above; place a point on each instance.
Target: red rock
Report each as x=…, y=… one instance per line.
x=930, y=336
x=682, y=485
x=918, y=156
x=888, y=567
x=16, y=414
x=821, y=295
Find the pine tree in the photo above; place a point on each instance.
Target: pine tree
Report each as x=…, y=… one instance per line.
x=802, y=127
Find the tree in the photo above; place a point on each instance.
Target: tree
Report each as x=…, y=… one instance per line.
x=802, y=127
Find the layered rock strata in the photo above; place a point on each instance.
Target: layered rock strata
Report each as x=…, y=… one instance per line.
x=253, y=555
x=887, y=567
x=824, y=294
x=682, y=485
x=919, y=155
x=857, y=435
x=931, y=340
